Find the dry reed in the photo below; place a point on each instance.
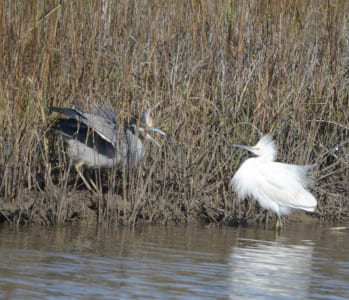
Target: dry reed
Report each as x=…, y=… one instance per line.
x=226, y=71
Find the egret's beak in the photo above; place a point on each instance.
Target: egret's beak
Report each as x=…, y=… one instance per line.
x=248, y=148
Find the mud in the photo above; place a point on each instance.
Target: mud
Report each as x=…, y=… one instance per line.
x=83, y=206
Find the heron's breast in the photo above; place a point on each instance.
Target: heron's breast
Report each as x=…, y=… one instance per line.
x=78, y=151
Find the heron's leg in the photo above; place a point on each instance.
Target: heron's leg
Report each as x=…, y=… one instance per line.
x=278, y=224
x=93, y=184
x=78, y=169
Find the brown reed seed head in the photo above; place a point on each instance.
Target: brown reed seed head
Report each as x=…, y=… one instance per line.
x=225, y=71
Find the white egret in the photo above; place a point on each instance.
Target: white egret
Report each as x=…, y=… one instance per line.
x=276, y=186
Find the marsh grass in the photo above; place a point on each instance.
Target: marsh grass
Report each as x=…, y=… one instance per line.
x=226, y=72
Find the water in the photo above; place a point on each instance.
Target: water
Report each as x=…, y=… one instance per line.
x=173, y=262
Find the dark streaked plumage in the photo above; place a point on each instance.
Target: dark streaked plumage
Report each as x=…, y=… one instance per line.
x=94, y=138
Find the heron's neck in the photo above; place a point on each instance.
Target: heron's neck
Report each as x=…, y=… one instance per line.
x=134, y=146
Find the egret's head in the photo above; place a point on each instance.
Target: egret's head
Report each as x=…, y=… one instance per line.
x=146, y=124
x=265, y=148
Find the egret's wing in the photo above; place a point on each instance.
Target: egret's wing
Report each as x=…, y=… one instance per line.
x=285, y=184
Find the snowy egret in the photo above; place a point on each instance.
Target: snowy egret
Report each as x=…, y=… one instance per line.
x=276, y=186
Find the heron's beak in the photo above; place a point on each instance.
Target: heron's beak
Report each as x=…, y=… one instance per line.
x=248, y=148
x=156, y=130
x=150, y=139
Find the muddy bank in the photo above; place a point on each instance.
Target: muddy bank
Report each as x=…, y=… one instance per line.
x=223, y=74
x=83, y=206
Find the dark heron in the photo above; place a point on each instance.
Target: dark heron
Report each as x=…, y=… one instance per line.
x=94, y=139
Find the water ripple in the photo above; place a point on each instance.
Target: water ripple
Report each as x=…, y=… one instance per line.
x=198, y=264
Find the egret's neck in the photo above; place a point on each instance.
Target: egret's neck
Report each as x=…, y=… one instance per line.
x=267, y=157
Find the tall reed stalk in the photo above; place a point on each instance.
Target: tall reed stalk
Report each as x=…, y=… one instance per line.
x=225, y=71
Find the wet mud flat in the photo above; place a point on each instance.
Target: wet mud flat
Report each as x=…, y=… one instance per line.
x=83, y=206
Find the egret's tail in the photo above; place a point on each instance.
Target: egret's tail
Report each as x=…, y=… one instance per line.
x=306, y=201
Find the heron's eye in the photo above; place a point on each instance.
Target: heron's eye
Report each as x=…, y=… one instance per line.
x=256, y=148
x=149, y=122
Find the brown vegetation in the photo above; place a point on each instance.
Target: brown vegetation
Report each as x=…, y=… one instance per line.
x=226, y=71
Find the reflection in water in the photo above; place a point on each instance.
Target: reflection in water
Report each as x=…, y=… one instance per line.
x=270, y=269
x=177, y=262
x=149, y=262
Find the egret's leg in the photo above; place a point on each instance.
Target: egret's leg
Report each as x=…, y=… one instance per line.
x=78, y=170
x=278, y=224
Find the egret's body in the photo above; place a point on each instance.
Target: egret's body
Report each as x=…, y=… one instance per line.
x=95, y=139
x=276, y=186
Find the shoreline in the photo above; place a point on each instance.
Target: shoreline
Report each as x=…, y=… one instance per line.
x=85, y=207
x=219, y=73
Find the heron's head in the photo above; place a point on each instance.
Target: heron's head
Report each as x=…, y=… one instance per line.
x=146, y=120
x=265, y=148
x=146, y=124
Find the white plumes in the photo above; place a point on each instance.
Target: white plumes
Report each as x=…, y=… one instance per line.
x=278, y=187
x=266, y=148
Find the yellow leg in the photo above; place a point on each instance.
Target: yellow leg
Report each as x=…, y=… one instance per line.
x=78, y=169
x=93, y=184
x=278, y=224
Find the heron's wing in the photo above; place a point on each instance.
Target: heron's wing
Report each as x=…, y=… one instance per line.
x=69, y=126
x=70, y=112
x=78, y=131
x=286, y=185
x=102, y=119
